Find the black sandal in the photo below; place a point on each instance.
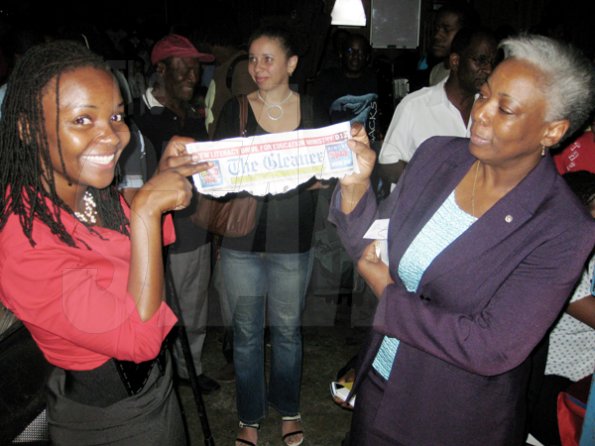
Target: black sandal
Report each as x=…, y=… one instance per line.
x=298, y=419
x=251, y=426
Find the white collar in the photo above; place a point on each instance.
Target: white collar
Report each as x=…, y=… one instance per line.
x=150, y=99
x=438, y=94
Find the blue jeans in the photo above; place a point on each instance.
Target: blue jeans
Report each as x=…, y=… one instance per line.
x=261, y=287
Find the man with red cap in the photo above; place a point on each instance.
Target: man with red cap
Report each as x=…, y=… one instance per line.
x=163, y=111
x=176, y=62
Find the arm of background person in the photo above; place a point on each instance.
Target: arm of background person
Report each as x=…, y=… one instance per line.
x=582, y=302
x=583, y=310
x=391, y=172
x=397, y=147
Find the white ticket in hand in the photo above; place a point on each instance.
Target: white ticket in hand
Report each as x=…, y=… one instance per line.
x=378, y=232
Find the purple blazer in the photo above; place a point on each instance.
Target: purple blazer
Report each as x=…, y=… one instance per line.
x=482, y=305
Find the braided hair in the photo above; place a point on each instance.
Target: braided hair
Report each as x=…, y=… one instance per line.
x=27, y=186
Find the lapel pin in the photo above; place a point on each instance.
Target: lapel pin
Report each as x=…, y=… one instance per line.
x=508, y=218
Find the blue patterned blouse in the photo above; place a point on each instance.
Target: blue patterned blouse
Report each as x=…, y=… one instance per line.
x=448, y=223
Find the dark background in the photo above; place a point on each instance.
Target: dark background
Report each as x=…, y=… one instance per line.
x=570, y=20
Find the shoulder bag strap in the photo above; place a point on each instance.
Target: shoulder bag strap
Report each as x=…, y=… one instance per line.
x=307, y=109
x=243, y=100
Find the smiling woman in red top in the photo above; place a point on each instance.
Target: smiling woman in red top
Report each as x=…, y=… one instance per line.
x=82, y=270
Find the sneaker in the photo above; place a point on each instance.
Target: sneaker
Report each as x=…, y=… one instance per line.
x=226, y=374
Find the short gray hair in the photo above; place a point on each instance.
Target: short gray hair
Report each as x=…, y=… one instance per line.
x=568, y=76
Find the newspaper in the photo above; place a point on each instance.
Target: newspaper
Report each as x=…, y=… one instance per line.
x=274, y=163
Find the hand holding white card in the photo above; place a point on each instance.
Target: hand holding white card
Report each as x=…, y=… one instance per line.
x=378, y=231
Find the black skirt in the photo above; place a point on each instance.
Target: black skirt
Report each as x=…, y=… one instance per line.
x=150, y=417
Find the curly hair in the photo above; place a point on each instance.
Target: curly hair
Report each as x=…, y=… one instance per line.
x=568, y=82
x=27, y=186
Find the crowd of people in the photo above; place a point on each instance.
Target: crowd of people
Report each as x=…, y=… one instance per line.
x=482, y=314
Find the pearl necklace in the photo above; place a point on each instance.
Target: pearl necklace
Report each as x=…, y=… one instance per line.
x=473, y=190
x=89, y=215
x=278, y=113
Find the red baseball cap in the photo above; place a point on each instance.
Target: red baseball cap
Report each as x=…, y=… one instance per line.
x=174, y=45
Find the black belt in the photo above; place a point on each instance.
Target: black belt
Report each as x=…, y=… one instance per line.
x=112, y=381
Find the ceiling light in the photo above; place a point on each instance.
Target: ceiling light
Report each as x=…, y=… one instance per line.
x=348, y=13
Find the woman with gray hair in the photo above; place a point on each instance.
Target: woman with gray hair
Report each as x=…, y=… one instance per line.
x=485, y=243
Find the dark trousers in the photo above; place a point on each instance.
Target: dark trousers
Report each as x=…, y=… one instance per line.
x=366, y=405
x=543, y=390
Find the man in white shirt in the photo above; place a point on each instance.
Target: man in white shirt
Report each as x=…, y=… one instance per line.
x=443, y=109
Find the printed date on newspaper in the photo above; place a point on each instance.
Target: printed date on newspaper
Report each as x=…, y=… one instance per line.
x=274, y=163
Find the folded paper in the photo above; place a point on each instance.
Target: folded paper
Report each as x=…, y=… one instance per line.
x=274, y=163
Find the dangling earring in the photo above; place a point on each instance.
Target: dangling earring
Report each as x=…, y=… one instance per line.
x=542, y=150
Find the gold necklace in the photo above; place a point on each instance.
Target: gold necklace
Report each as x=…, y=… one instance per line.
x=473, y=190
x=278, y=113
